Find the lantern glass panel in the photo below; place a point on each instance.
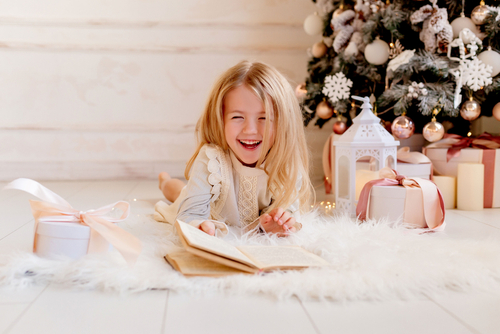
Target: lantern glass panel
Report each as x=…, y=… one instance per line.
x=344, y=177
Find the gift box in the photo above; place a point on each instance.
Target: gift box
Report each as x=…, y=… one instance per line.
x=62, y=230
x=389, y=202
x=417, y=202
x=490, y=158
x=53, y=239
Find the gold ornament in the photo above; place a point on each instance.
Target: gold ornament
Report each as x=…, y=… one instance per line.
x=479, y=14
x=323, y=110
x=403, y=127
x=496, y=111
x=433, y=131
x=470, y=110
x=395, y=49
x=319, y=49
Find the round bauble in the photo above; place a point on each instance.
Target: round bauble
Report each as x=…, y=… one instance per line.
x=377, y=52
x=433, y=131
x=479, y=14
x=402, y=127
x=496, y=111
x=463, y=22
x=323, y=110
x=470, y=110
x=301, y=91
x=313, y=24
x=492, y=58
x=339, y=127
x=319, y=49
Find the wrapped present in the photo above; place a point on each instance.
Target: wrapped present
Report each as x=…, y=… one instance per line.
x=417, y=201
x=62, y=230
x=414, y=164
x=447, y=153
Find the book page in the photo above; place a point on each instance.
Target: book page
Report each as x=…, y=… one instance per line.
x=199, y=239
x=282, y=257
x=192, y=265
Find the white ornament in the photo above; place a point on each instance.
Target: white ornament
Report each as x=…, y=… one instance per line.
x=492, y=58
x=313, y=25
x=337, y=87
x=403, y=58
x=377, y=52
x=461, y=23
x=416, y=89
x=471, y=71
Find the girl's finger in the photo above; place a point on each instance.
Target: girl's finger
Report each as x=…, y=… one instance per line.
x=278, y=214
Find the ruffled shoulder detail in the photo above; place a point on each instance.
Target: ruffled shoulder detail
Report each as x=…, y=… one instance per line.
x=218, y=165
x=215, y=176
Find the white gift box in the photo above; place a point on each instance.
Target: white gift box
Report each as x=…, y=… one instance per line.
x=54, y=239
x=422, y=171
x=388, y=202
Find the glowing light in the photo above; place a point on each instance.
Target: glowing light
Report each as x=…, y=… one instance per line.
x=469, y=134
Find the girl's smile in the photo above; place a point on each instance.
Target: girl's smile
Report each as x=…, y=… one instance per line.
x=244, y=125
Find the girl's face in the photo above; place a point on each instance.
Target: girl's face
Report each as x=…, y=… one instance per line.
x=244, y=125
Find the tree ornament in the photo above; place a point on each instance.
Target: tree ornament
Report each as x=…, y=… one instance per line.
x=323, y=110
x=319, y=49
x=496, y=111
x=433, y=131
x=462, y=22
x=470, y=109
x=403, y=127
x=416, y=89
x=479, y=14
x=339, y=126
x=436, y=30
x=337, y=87
x=338, y=11
x=492, y=58
x=343, y=29
x=313, y=24
x=301, y=91
x=471, y=71
x=377, y=52
x=395, y=49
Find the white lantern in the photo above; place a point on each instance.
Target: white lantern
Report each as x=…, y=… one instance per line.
x=366, y=140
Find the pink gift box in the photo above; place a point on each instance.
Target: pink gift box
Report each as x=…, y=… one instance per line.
x=422, y=171
x=490, y=158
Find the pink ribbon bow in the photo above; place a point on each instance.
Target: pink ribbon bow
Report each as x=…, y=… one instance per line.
x=54, y=208
x=455, y=143
x=433, y=203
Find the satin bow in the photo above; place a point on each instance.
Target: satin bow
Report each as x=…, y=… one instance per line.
x=54, y=208
x=434, y=211
x=455, y=143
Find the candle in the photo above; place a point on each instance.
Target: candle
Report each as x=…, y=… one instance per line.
x=362, y=177
x=470, y=186
x=447, y=185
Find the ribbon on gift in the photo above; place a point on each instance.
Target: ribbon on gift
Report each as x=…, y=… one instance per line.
x=54, y=208
x=455, y=143
x=434, y=211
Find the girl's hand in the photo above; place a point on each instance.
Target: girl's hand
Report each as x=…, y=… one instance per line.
x=278, y=221
x=208, y=227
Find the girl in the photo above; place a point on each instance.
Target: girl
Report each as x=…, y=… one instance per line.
x=251, y=166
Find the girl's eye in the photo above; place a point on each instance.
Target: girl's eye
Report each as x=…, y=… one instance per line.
x=237, y=117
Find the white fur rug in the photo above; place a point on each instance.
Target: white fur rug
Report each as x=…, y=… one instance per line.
x=369, y=261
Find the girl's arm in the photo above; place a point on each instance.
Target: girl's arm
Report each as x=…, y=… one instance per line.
x=195, y=207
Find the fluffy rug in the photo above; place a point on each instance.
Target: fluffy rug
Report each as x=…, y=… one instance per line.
x=373, y=260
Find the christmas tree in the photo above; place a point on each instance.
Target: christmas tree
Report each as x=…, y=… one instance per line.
x=423, y=62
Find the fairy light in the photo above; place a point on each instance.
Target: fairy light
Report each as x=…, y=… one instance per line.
x=469, y=134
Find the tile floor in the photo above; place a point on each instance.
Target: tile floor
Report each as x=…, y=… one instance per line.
x=52, y=309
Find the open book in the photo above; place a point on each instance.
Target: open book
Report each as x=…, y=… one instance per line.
x=206, y=255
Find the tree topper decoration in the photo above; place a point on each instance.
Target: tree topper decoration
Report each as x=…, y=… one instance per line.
x=337, y=87
x=471, y=71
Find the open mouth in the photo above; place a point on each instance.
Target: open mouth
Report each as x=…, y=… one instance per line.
x=250, y=144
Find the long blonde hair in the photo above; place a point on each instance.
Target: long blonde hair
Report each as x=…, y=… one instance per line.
x=287, y=161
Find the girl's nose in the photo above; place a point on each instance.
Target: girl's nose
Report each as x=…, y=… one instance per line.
x=250, y=127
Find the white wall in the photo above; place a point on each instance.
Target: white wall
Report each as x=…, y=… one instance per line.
x=113, y=88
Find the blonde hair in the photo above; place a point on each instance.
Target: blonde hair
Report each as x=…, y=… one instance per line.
x=287, y=161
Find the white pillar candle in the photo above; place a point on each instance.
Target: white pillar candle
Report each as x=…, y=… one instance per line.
x=447, y=186
x=470, y=187
x=362, y=177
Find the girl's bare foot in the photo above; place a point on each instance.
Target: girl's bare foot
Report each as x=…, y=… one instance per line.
x=171, y=188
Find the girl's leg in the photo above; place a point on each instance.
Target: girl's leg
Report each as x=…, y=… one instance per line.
x=171, y=188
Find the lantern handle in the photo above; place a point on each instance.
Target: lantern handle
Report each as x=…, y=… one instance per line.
x=366, y=101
